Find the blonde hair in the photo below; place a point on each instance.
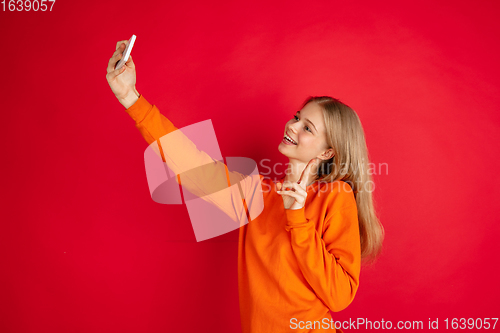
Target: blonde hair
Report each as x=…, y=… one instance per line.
x=345, y=134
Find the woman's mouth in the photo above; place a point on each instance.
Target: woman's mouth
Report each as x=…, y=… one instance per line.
x=288, y=140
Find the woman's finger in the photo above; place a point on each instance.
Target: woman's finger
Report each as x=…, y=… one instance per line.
x=300, y=187
x=295, y=187
x=112, y=73
x=288, y=185
x=117, y=55
x=306, y=173
x=130, y=62
x=113, y=60
x=298, y=197
x=120, y=43
x=120, y=49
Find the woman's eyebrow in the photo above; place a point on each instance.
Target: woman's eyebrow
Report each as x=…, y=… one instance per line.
x=310, y=122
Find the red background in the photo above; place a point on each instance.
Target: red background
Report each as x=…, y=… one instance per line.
x=85, y=249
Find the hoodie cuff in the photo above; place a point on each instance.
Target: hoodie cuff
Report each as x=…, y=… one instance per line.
x=139, y=109
x=296, y=218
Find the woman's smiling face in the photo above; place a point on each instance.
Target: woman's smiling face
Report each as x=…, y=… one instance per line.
x=307, y=131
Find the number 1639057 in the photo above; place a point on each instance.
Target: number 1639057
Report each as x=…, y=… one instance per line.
x=471, y=323
x=27, y=5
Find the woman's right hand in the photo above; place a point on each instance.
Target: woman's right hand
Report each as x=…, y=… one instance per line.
x=122, y=81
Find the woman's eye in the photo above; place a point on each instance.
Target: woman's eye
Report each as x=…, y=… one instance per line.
x=306, y=127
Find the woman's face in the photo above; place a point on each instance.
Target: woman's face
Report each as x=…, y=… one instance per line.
x=307, y=130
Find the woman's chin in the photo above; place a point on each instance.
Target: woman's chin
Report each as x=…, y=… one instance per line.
x=282, y=149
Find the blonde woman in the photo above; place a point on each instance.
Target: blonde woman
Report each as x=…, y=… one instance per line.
x=301, y=257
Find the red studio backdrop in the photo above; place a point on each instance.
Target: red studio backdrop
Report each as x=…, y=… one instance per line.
x=83, y=246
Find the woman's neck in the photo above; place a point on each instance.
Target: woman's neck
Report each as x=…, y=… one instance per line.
x=294, y=171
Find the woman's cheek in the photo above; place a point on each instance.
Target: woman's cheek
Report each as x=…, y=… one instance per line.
x=302, y=141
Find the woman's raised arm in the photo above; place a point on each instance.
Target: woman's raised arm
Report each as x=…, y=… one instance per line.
x=202, y=175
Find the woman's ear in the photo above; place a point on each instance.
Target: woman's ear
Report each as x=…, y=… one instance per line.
x=327, y=154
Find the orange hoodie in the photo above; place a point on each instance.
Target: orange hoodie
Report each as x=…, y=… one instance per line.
x=294, y=266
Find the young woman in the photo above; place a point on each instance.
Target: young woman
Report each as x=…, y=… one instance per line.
x=301, y=257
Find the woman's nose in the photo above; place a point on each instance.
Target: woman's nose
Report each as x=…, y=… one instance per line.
x=292, y=129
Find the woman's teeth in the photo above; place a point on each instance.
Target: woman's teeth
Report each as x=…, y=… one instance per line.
x=289, y=139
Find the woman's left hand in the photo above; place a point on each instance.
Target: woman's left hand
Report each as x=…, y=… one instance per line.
x=295, y=198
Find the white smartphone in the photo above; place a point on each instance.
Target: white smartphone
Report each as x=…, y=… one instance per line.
x=126, y=53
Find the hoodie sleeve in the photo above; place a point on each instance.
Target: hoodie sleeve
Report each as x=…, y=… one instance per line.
x=330, y=262
x=202, y=175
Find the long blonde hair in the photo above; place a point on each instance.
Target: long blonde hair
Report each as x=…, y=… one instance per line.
x=350, y=164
